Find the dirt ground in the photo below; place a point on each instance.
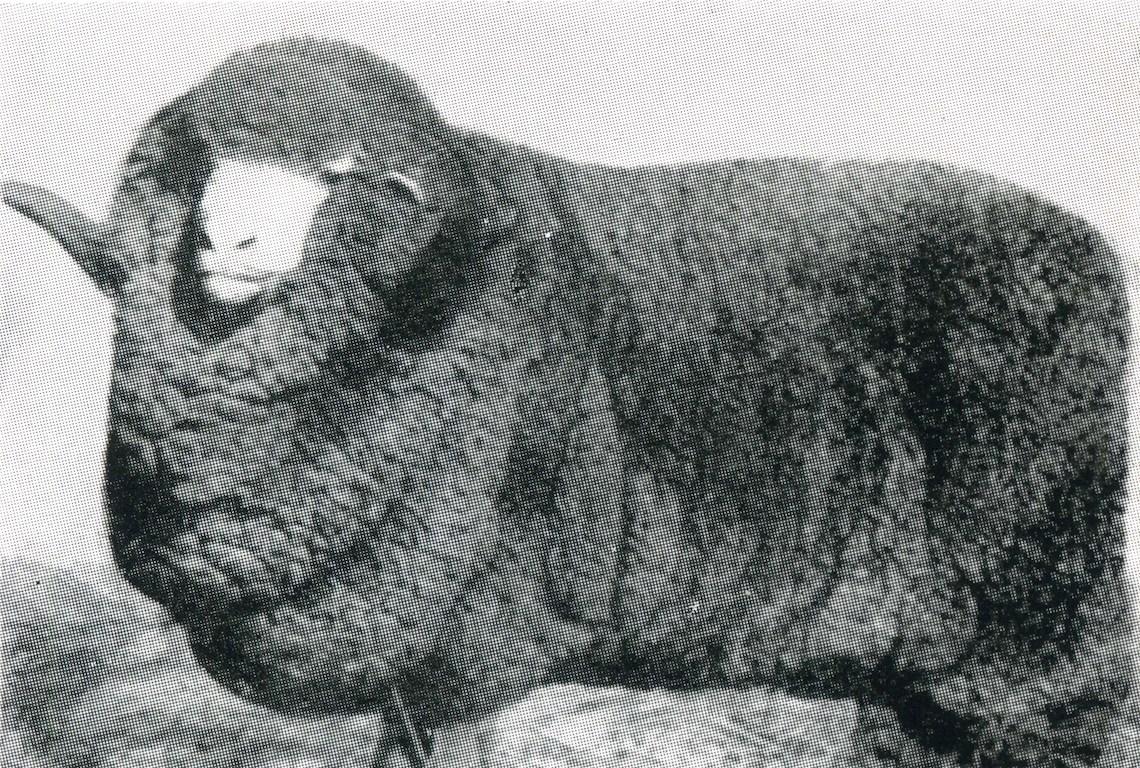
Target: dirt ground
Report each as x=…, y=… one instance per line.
x=97, y=677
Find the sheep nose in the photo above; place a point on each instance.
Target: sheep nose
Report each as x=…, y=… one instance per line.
x=225, y=258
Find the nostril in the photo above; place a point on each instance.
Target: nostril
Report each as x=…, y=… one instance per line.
x=247, y=243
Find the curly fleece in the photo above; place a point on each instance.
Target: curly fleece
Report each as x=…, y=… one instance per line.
x=856, y=429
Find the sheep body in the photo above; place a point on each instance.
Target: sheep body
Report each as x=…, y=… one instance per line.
x=854, y=429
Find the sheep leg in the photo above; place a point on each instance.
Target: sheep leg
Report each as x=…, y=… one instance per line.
x=1061, y=712
x=909, y=731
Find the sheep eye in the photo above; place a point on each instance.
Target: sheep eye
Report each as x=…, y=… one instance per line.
x=202, y=240
x=248, y=242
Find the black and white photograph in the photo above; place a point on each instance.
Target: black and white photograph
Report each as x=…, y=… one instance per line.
x=569, y=385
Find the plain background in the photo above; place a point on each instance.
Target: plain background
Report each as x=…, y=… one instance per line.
x=1047, y=94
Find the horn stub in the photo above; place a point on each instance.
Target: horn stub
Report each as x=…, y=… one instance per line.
x=71, y=228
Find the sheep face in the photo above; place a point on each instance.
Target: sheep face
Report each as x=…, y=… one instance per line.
x=252, y=225
x=252, y=221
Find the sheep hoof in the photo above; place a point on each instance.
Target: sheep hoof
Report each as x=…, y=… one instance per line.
x=881, y=741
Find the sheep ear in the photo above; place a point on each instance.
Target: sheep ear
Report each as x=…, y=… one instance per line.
x=79, y=235
x=406, y=184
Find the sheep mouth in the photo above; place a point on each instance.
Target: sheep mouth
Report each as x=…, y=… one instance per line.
x=234, y=287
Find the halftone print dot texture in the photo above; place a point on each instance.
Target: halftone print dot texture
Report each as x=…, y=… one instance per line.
x=762, y=461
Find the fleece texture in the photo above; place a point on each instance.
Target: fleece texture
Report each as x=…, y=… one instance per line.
x=855, y=429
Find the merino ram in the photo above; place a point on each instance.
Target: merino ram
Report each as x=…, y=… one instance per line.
x=403, y=413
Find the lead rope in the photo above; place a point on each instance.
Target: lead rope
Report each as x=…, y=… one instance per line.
x=416, y=744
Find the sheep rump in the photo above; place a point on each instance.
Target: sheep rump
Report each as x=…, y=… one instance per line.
x=854, y=429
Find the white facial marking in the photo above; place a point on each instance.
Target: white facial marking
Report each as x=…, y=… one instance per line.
x=255, y=218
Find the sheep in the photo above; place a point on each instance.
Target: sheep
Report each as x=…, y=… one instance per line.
x=410, y=419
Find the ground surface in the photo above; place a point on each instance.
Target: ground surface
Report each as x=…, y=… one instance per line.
x=96, y=677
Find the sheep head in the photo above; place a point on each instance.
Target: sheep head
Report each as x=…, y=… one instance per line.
x=285, y=254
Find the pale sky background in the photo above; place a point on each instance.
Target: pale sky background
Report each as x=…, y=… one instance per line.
x=1045, y=93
